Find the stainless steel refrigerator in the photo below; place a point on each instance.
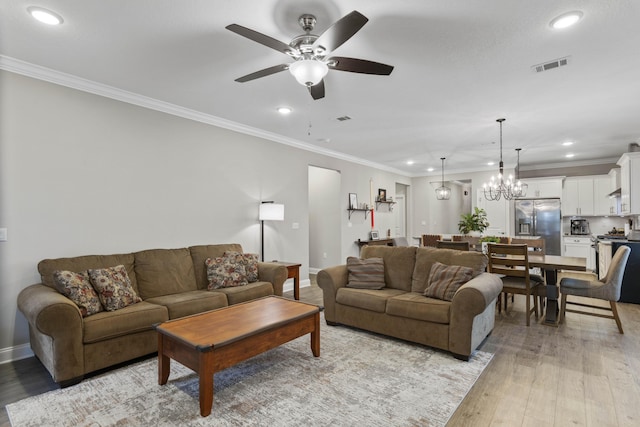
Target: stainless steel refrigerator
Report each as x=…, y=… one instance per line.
x=540, y=217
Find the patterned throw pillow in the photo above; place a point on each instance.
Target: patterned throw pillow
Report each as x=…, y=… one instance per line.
x=77, y=288
x=365, y=273
x=444, y=280
x=113, y=287
x=225, y=272
x=249, y=261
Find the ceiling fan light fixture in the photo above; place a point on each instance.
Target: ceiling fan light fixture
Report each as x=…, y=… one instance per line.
x=566, y=20
x=308, y=72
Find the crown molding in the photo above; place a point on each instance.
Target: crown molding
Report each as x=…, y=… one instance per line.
x=74, y=82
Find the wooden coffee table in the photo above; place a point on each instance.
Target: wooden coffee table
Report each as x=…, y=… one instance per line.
x=212, y=341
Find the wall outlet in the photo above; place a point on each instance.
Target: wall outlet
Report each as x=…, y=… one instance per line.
x=3, y=234
x=424, y=223
x=324, y=255
x=295, y=225
x=349, y=224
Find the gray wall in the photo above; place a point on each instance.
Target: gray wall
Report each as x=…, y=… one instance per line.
x=83, y=174
x=325, y=215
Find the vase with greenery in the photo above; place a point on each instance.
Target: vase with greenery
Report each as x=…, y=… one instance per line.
x=490, y=239
x=474, y=221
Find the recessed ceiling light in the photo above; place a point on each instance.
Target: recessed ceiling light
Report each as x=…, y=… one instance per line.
x=430, y=169
x=490, y=163
x=45, y=16
x=410, y=162
x=566, y=20
x=567, y=143
x=284, y=110
x=570, y=155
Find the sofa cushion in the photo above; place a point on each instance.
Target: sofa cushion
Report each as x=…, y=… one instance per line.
x=199, y=255
x=164, y=272
x=249, y=261
x=416, y=306
x=399, y=262
x=46, y=267
x=365, y=273
x=444, y=280
x=113, y=287
x=425, y=257
x=225, y=272
x=246, y=293
x=134, y=318
x=191, y=302
x=77, y=287
x=373, y=300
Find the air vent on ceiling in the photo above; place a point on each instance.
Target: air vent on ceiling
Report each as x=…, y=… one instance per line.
x=343, y=118
x=556, y=63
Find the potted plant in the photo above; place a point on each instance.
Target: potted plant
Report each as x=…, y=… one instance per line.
x=473, y=222
x=484, y=241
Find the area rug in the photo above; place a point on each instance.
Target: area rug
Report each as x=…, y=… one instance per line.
x=360, y=378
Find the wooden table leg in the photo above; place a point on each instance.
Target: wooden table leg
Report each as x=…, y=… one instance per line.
x=164, y=363
x=315, y=336
x=296, y=284
x=205, y=376
x=551, y=313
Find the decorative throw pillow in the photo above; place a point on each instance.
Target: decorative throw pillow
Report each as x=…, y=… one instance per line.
x=249, y=261
x=225, y=272
x=113, y=287
x=444, y=280
x=365, y=273
x=77, y=287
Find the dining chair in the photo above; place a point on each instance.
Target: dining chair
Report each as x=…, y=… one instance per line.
x=474, y=242
x=431, y=239
x=512, y=263
x=535, y=245
x=607, y=289
x=446, y=244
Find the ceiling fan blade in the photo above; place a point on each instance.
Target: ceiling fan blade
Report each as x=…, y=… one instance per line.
x=261, y=38
x=263, y=73
x=341, y=31
x=317, y=90
x=354, y=65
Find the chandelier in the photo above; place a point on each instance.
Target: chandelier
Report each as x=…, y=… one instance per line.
x=497, y=187
x=519, y=188
x=442, y=192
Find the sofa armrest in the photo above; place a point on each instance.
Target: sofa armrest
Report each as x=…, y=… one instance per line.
x=472, y=299
x=56, y=330
x=274, y=273
x=330, y=280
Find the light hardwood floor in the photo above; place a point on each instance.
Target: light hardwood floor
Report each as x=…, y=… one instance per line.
x=583, y=373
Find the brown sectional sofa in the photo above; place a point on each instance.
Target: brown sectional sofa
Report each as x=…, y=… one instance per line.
x=401, y=310
x=171, y=282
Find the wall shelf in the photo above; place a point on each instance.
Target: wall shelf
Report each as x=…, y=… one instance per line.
x=382, y=202
x=366, y=212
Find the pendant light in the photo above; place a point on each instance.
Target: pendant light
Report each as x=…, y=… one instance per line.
x=442, y=192
x=519, y=188
x=497, y=187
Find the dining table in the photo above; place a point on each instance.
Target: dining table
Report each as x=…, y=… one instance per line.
x=551, y=264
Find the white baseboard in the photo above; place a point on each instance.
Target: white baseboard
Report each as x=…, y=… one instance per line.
x=288, y=285
x=314, y=270
x=18, y=352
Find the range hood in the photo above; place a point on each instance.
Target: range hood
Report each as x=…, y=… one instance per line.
x=616, y=193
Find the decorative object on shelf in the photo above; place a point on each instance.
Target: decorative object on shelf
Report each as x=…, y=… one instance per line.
x=382, y=195
x=375, y=235
x=442, y=192
x=497, y=187
x=269, y=211
x=473, y=222
x=353, y=201
x=519, y=188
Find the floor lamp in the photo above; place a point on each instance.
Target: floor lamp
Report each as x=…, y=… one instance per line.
x=269, y=211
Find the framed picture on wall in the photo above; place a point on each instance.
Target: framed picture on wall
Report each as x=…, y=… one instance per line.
x=382, y=195
x=353, y=201
x=375, y=235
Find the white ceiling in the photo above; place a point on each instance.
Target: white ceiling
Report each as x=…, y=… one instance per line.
x=459, y=65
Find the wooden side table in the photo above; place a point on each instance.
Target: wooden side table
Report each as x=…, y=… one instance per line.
x=293, y=272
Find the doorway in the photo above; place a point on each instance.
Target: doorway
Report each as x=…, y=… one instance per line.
x=324, y=218
x=400, y=212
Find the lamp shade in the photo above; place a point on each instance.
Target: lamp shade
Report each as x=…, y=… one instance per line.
x=308, y=72
x=271, y=212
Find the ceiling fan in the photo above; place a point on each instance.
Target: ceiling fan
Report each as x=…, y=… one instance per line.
x=309, y=52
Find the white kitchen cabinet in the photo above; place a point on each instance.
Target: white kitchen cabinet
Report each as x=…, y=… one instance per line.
x=630, y=183
x=577, y=196
x=601, y=191
x=614, y=184
x=580, y=247
x=543, y=187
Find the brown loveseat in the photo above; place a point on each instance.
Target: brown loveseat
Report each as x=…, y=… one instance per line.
x=171, y=282
x=401, y=310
